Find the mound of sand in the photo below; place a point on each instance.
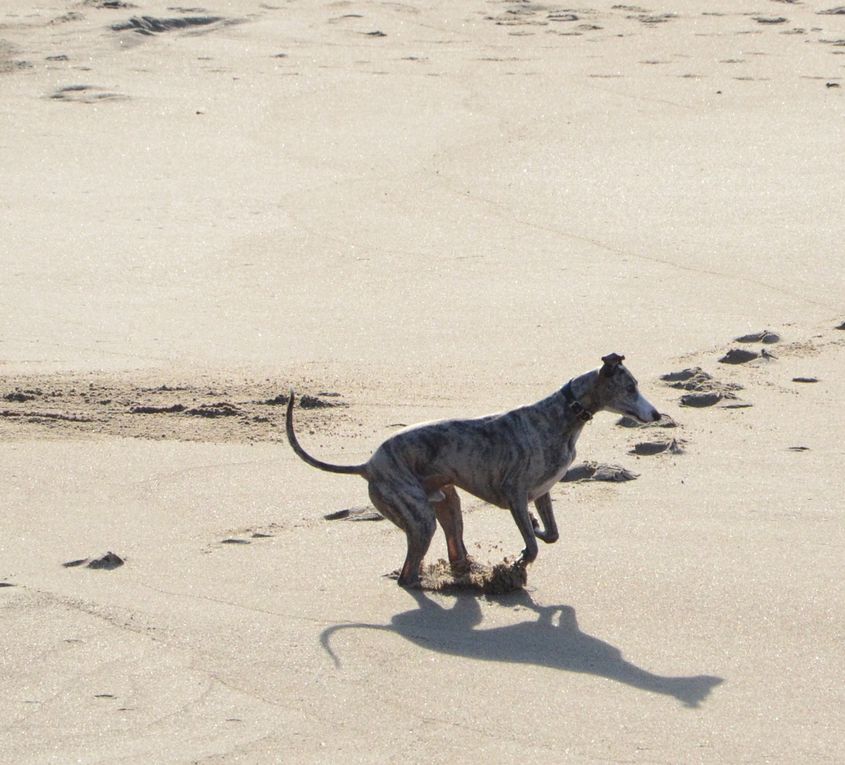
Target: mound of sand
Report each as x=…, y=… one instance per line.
x=498, y=579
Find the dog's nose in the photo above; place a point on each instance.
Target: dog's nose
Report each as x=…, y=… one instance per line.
x=655, y=415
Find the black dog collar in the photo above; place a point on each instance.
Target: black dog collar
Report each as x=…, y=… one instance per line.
x=575, y=406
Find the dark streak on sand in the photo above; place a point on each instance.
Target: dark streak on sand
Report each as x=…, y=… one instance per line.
x=85, y=94
x=70, y=406
x=157, y=409
x=42, y=416
x=150, y=25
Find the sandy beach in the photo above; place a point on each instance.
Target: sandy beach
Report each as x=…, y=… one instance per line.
x=407, y=212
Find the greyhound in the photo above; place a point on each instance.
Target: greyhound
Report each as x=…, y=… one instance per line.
x=507, y=459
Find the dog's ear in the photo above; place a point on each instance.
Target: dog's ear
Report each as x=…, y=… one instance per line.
x=610, y=362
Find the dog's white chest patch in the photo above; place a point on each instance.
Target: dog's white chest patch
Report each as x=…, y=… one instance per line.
x=544, y=487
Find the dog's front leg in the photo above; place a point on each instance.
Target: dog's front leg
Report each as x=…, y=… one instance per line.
x=519, y=511
x=549, y=532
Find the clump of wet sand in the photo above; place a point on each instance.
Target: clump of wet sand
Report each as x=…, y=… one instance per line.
x=496, y=579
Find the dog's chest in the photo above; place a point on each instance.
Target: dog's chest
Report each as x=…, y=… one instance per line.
x=551, y=478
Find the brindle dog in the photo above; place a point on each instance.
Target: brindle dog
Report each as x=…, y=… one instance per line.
x=507, y=459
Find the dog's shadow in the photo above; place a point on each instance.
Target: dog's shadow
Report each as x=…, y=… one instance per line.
x=544, y=641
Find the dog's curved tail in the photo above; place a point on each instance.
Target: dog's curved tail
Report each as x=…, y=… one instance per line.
x=306, y=457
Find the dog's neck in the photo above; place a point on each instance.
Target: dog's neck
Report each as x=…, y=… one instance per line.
x=583, y=390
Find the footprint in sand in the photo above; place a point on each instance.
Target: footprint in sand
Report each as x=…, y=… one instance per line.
x=19, y=397
x=176, y=408
x=220, y=409
x=354, y=514
x=595, y=471
x=149, y=25
x=738, y=356
x=241, y=541
x=650, y=448
x=703, y=389
x=85, y=94
x=770, y=20
x=107, y=562
x=651, y=19
x=7, y=67
x=665, y=421
x=763, y=336
x=704, y=400
x=701, y=400
x=695, y=379
x=743, y=356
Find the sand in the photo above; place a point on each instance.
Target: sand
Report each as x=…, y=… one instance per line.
x=408, y=211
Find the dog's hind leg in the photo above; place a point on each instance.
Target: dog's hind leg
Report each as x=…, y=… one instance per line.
x=448, y=511
x=408, y=507
x=549, y=532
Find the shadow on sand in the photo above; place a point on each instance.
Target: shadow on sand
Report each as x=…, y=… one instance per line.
x=545, y=642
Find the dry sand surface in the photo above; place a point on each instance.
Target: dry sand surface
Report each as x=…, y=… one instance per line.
x=409, y=211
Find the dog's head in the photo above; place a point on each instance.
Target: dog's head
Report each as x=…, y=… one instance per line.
x=618, y=391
